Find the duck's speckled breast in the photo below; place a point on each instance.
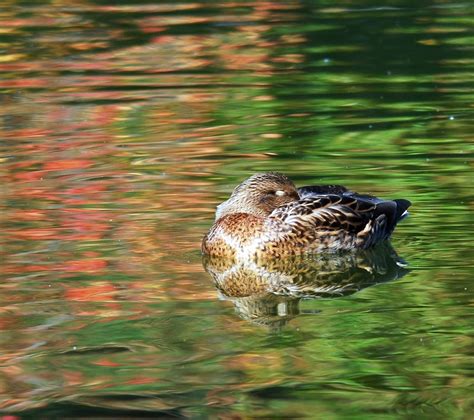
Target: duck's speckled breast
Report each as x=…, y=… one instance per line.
x=233, y=234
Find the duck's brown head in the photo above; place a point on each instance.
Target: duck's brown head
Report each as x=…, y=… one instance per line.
x=259, y=195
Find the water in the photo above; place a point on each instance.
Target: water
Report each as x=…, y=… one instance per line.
x=122, y=126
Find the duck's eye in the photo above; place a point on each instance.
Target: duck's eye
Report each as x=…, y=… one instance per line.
x=280, y=193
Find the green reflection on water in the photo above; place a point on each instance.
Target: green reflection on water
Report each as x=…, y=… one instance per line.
x=123, y=126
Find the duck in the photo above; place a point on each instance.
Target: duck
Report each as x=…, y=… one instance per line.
x=268, y=217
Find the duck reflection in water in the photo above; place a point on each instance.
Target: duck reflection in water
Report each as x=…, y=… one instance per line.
x=268, y=293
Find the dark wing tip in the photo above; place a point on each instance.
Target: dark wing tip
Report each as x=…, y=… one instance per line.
x=393, y=210
x=402, y=206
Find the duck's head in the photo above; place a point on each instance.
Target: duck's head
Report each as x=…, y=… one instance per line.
x=259, y=195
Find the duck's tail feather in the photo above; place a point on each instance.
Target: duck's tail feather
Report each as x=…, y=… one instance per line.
x=402, y=208
x=394, y=211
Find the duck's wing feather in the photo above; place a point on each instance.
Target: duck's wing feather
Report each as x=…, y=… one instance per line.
x=348, y=218
x=314, y=190
x=328, y=211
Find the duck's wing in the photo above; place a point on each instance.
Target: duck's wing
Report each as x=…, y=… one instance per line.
x=314, y=190
x=344, y=220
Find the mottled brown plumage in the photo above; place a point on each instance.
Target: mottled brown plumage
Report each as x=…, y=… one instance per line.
x=267, y=217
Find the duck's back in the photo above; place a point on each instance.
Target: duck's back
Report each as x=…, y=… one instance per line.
x=394, y=210
x=334, y=218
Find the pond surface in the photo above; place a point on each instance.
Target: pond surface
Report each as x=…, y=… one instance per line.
x=123, y=124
